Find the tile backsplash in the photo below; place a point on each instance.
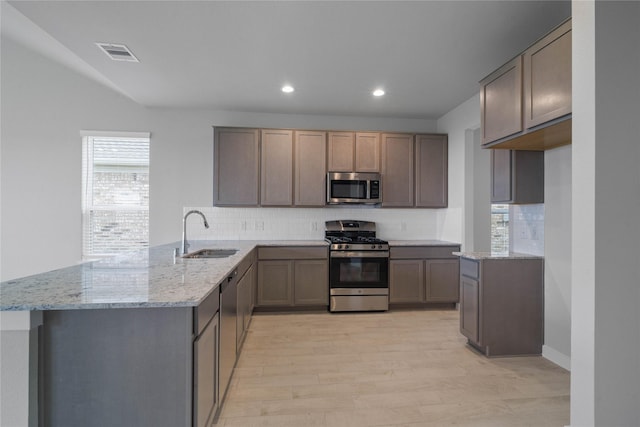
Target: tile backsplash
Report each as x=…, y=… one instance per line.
x=526, y=229
x=308, y=223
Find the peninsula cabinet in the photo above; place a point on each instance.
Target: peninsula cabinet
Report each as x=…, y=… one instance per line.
x=310, y=163
x=353, y=152
x=236, y=166
x=131, y=366
x=517, y=176
x=276, y=166
x=501, y=305
x=526, y=103
x=293, y=277
x=397, y=170
x=423, y=274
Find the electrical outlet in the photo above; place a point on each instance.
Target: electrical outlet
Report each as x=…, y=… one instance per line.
x=314, y=226
x=243, y=225
x=259, y=225
x=403, y=226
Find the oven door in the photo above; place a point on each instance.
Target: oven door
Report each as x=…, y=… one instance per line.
x=357, y=270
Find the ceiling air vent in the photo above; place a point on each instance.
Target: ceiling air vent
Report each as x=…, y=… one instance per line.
x=117, y=52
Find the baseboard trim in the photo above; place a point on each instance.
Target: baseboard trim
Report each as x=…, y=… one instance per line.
x=556, y=357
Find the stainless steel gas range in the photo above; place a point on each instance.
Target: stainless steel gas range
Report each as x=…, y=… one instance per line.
x=358, y=267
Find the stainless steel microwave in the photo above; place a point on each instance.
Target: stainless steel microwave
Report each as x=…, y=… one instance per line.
x=357, y=187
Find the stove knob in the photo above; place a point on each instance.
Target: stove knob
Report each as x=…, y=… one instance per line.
x=346, y=246
x=379, y=246
x=373, y=246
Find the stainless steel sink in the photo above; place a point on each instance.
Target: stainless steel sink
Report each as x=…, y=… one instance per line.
x=211, y=253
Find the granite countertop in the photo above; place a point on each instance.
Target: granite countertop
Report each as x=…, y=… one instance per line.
x=147, y=278
x=422, y=243
x=496, y=255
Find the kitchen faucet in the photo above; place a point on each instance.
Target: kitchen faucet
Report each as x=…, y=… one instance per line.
x=185, y=244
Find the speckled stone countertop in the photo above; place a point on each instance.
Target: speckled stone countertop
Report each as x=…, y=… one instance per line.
x=496, y=255
x=148, y=278
x=421, y=243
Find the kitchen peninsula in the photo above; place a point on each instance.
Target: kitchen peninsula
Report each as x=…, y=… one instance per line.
x=135, y=339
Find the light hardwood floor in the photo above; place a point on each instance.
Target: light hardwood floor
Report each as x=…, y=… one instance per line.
x=399, y=368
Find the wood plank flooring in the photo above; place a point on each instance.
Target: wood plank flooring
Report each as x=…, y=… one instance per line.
x=399, y=368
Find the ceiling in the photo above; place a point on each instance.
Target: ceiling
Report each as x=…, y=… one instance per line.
x=235, y=55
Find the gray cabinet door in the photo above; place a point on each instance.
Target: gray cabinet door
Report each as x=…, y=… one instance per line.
x=276, y=168
x=236, y=165
x=311, y=282
x=547, y=77
x=517, y=176
x=244, y=306
x=406, y=280
x=275, y=283
x=310, y=168
x=205, y=374
x=501, y=102
x=367, y=157
x=340, y=151
x=397, y=170
x=470, y=309
x=432, y=171
x=442, y=280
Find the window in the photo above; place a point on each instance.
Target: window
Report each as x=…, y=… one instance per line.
x=115, y=196
x=500, y=228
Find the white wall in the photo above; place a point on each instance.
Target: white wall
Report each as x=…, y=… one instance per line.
x=45, y=105
x=605, y=380
x=460, y=123
x=557, y=251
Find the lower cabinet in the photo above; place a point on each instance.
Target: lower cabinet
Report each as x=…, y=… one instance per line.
x=501, y=305
x=423, y=274
x=292, y=277
x=206, y=396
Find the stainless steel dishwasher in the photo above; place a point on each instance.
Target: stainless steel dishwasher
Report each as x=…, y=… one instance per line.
x=228, y=312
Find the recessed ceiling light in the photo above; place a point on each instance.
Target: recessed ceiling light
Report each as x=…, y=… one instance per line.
x=378, y=92
x=287, y=88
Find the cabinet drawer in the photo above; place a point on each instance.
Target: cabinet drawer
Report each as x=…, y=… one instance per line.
x=297, y=252
x=469, y=268
x=423, y=252
x=206, y=310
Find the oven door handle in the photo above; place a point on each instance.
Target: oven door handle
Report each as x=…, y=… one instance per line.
x=359, y=254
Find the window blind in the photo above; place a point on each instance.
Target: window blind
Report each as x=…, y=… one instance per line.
x=115, y=212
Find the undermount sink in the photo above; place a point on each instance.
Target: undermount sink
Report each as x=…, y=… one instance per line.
x=211, y=253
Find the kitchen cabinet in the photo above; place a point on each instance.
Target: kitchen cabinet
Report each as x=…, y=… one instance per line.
x=517, y=176
x=547, y=77
x=423, y=274
x=501, y=305
x=293, y=277
x=276, y=166
x=236, y=166
x=432, y=174
x=526, y=103
x=245, y=304
x=353, y=152
x=501, y=102
x=206, y=398
x=310, y=168
x=397, y=170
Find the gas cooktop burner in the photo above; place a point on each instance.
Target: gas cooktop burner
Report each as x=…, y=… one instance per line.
x=349, y=235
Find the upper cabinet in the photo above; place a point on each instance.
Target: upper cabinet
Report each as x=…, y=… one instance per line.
x=547, y=77
x=526, y=103
x=501, y=102
x=310, y=160
x=281, y=167
x=353, y=152
x=397, y=170
x=431, y=171
x=276, y=168
x=236, y=166
x=517, y=176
